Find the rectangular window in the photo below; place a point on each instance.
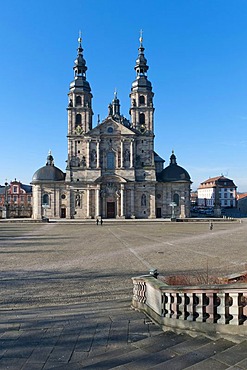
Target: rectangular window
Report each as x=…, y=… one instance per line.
x=15, y=188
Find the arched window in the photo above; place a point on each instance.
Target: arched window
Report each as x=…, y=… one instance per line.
x=78, y=120
x=143, y=200
x=78, y=100
x=176, y=199
x=45, y=200
x=110, y=160
x=142, y=118
x=142, y=100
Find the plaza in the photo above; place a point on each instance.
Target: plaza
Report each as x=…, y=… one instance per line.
x=55, y=274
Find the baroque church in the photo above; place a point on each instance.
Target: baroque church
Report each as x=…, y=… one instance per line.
x=112, y=169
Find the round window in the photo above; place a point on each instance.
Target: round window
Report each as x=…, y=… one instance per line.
x=63, y=196
x=110, y=130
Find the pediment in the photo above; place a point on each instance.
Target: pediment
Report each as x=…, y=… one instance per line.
x=110, y=127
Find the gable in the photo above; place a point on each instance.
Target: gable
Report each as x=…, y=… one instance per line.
x=110, y=127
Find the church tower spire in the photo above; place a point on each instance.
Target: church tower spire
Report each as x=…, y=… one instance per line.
x=141, y=95
x=80, y=98
x=142, y=118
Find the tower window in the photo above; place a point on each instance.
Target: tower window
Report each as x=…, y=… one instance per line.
x=78, y=100
x=142, y=118
x=78, y=120
x=142, y=100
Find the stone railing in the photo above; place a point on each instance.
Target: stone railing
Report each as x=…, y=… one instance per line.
x=212, y=309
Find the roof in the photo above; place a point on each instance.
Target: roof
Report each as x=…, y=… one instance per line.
x=157, y=158
x=219, y=181
x=173, y=172
x=241, y=196
x=48, y=172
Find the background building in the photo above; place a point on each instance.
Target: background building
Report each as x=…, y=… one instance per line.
x=15, y=200
x=217, y=191
x=112, y=169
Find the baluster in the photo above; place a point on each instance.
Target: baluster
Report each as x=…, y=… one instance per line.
x=190, y=307
x=234, y=309
x=174, y=313
x=166, y=304
x=200, y=308
x=221, y=310
x=169, y=303
x=181, y=306
x=210, y=308
x=244, y=300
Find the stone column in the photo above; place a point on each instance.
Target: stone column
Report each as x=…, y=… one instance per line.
x=132, y=203
x=152, y=206
x=121, y=159
x=97, y=150
x=122, y=212
x=88, y=154
x=68, y=208
x=131, y=153
x=97, y=200
x=88, y=203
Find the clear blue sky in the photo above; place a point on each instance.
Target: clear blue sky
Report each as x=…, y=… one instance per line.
x=197, y=54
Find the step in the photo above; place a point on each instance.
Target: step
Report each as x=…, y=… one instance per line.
x=231, y=357
x=195, y=356
x=139, y=355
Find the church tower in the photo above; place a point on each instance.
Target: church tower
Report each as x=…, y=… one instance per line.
x=142, y=111
x=142, y=118
x=79, y=108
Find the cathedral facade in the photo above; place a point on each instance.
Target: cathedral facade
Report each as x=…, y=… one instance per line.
x=112, y=169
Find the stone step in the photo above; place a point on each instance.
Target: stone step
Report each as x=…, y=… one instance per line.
x=195, y=356
x=170, y=351
x=233, y=357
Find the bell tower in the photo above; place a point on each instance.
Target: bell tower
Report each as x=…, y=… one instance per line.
x=142, y=110
x=80, y=98
x=142, y=119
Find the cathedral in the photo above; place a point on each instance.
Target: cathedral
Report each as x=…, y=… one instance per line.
x=112, y=169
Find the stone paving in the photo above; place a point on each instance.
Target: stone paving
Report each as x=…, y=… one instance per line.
x=61, y=282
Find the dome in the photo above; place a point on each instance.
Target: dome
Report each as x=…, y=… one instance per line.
x=48, y=172
x=173, y=172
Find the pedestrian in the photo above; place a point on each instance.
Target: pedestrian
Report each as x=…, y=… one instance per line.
x=97, y=221
x=211, y=226
x=101, y=222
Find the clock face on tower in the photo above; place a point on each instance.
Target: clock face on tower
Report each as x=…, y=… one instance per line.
x=78, y=130
x=142, y=129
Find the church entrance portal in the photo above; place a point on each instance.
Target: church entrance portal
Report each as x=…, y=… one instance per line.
x=110, y=210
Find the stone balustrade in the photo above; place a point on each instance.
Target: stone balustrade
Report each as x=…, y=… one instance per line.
x=207, y=308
